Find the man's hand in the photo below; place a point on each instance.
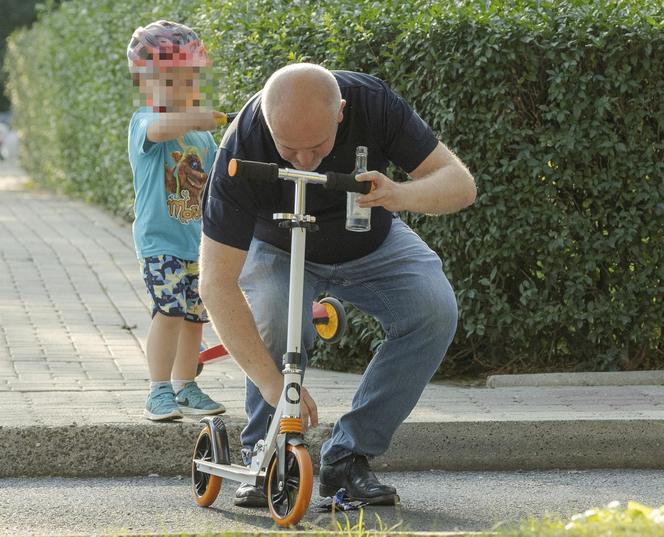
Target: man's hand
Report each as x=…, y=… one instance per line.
x=384, y=192
x=308, y=410
x=441, y=184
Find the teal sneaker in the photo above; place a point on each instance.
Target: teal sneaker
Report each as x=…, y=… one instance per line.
x=161, y=406
x=193, y=401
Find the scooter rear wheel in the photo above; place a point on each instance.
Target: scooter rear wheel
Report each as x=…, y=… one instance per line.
x=204, y=486
x=288, y=505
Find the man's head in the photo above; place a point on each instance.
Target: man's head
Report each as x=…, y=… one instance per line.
x=165, y=60
x=302, y=106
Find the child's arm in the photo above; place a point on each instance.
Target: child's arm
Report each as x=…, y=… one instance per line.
x=172, y=125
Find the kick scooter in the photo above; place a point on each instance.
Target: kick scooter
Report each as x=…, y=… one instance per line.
x=280, y=462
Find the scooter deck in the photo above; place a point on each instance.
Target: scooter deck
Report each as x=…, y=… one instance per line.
x=234, y=472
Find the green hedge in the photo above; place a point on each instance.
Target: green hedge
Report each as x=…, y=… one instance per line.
x=556, y=107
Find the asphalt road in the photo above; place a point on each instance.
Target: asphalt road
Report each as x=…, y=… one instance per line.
x=430, y=501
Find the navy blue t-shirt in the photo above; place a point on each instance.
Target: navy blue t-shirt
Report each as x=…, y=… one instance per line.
x=236, y=210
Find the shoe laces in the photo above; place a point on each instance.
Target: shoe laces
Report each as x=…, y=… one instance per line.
x=360, y=460
x=194, y=394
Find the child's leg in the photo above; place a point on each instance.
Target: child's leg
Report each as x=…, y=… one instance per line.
x=165, y=281
x=188, y=347
x=189, y=396
x=163, y=346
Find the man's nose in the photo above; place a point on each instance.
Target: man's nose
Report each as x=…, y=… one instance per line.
x=305, y=159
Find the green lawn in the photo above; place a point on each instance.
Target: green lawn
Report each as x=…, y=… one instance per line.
x=614, y=520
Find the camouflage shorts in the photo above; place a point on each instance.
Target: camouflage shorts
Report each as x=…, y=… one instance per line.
x=172, y=284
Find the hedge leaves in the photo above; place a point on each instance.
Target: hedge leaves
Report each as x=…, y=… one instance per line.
x=556, y=107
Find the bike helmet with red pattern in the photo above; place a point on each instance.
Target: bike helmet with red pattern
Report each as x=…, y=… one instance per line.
x=164, y=44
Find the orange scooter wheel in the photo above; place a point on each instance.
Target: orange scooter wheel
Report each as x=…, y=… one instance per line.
x=204, y=486
x=289, y=503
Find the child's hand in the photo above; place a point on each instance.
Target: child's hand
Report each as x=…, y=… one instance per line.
x=220, y=118
x=205, y=120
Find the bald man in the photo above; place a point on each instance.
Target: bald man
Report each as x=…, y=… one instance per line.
x=309, y=118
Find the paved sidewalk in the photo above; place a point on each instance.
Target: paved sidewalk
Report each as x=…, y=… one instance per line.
x=73, y=374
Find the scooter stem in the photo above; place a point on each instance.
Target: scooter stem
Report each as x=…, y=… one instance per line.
x=295, y=289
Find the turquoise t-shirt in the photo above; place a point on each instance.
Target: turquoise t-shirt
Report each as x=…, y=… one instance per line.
x=169, y=180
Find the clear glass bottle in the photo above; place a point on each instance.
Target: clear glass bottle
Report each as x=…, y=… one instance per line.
x=358, y=218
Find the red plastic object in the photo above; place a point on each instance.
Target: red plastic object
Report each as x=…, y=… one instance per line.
x=318, y=311
x=218, y=352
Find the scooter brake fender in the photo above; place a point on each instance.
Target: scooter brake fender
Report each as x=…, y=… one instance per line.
x=221, y=453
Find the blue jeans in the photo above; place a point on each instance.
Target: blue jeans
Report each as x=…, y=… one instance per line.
x=403, y=286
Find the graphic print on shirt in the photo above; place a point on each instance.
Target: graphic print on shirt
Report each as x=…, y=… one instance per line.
x=184, y=184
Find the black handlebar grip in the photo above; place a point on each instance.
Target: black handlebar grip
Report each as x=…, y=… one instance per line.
x=347, y=183
x=254, y=171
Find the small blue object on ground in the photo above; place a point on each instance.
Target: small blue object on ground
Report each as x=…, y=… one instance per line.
x=340, y=502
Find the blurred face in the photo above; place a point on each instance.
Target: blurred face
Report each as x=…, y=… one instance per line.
x=176, y=88
x=306, y=140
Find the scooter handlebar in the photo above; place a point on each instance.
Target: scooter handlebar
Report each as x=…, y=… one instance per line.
x=346, y=182
x=256, y=171
x=270, y=172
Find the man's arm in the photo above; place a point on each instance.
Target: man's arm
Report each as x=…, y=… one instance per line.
x=232, y=319
x=172, y=125
x=441, y=185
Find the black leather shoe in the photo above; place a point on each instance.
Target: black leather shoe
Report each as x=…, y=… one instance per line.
x=353, y=474
x=249, y=496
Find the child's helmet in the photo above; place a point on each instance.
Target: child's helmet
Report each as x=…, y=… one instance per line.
x=165, y=44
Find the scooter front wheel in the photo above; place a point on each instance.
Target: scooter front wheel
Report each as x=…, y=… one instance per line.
x=289, y=503
x=204, y=486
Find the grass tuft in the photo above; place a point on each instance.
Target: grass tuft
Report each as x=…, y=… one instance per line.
x=634, y=520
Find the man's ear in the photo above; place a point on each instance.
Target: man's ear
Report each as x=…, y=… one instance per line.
x=340, y=115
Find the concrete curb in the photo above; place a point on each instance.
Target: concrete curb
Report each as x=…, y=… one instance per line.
x=618, y=378
x=165, y=449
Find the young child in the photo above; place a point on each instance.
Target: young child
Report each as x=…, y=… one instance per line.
x=170, y=152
